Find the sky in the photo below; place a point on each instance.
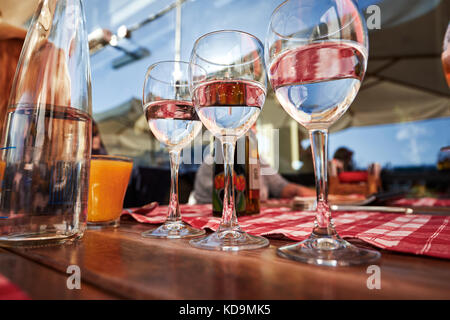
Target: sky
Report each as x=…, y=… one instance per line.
x=415, y=143
x=109, y=89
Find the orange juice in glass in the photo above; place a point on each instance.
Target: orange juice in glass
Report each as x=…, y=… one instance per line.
x=107, y=186
x=2, y=172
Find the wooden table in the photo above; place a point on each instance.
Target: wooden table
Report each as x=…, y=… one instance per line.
x=119, y=263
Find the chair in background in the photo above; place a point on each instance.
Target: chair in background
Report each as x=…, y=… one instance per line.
x=353, y=182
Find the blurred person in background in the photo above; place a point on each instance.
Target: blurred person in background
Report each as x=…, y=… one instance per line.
x=274, y=185
x=345, y=156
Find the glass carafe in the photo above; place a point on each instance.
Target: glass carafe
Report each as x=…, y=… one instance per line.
x=46, y=143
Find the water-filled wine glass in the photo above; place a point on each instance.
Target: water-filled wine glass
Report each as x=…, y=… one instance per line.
x=316, y=54
x=172, y=119
x=228, y=88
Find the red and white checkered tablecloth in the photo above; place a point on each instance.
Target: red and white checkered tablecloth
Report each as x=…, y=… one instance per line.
x=422, y=202
x=8, y=291
x=417, y=234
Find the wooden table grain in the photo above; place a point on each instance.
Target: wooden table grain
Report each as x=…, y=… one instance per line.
x=41, y=282
x=119, y=263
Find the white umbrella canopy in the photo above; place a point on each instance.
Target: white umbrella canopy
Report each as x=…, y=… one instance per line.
x=398, y=104
x=117, y=129
x=383, y=102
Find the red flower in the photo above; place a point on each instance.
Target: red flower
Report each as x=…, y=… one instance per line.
x=240, y=183
x=219, y=181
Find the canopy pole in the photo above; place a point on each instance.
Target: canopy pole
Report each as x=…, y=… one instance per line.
x=178, y=31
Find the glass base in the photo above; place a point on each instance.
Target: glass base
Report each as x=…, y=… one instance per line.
x=173, y=230
x=39, y=239
x=95, y=225
x=230, y=240
x=330, y=251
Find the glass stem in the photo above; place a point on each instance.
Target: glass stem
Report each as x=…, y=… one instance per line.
x=174, y=207
x=323, y=224
x=229, y=219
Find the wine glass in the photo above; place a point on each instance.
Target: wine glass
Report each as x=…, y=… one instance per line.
x=316, y=54
x=172, y=119
x=228, y=88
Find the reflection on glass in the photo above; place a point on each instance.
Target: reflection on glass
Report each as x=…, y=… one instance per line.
x=316, y=52
x=174, y=122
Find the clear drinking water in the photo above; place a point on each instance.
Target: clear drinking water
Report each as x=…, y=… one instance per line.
x=173, y=122
x=45, y=166
x=229, y=107
x=45, y=147
x=316, y=83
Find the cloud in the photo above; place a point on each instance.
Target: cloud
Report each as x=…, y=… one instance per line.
x=411, y=133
